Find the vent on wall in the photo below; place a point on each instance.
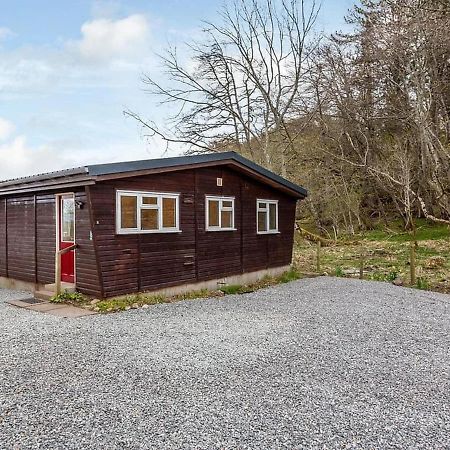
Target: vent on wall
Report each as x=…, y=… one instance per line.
x=219, y=181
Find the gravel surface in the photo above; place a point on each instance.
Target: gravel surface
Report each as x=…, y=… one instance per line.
x=317, y=363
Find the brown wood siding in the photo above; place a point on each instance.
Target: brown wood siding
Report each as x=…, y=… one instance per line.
x=219, y=252
x=46, y=238
x=262, y=251
x=27, y=250
x=131, y=263
x=3, y=243
x=86, y=273
x=21, y=238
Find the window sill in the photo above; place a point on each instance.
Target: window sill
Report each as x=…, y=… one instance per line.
x=120, y=233
x=268, y=232
x=221, y=229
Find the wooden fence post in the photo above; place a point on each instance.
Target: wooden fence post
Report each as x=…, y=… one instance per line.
x=57, y=273
x=412, y=262
x=319, y=245
x=362, y=260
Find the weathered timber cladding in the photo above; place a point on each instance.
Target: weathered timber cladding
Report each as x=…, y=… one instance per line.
x=86, y=273
x=46, y=238
x=21, y=238
x=130, y=263
x=28, y=241
x=3, y=242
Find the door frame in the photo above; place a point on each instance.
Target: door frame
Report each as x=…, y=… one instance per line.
x=58, y=218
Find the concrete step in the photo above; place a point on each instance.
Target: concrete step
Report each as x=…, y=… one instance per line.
x=45, y=295
x=69, y=287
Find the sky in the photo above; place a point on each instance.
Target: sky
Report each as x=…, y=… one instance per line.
x=69, y=68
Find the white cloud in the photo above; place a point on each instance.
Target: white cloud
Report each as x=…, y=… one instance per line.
x=120, y=45
x=6, y=129
x=19, y=159
x=105, y=39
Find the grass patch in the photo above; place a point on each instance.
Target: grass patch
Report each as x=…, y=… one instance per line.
x=382, y=276
x=128, y=302
x=290, y=275
x=69, y=297
x=422, y=284
x=138, y=300
x=425, y=231
x=202, y=293
x=385, y=255
x=231, y=289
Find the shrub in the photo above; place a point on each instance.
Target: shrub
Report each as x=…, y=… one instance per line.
x=290, y=275
x=231, y=289
x=422, y=284
x=70, y=297
x=391, y=276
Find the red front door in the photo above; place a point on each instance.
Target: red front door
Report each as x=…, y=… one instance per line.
x=67, y=236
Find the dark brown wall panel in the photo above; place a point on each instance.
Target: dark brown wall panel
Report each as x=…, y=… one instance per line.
x=262, y=251
x=32, y=241
x=21, y=238
x=87, y=277
x=130, y=263
x=3, y=262
x=218, y=252
x=46, y=238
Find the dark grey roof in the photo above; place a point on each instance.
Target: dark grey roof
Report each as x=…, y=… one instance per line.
x=147, y=164
x=91, y=172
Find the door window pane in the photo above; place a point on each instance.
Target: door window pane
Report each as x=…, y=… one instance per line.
x=272, y=216
x=68, y=220
x=149, y=219
x=128, y=211
x=169, y=212
x=213, y=213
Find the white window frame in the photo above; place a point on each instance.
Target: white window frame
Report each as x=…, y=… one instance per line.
x=220, y=199
x=267, y=211
x=140, y=206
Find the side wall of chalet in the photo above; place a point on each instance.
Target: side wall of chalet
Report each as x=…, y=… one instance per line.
x=28, y=241
x=130, y=263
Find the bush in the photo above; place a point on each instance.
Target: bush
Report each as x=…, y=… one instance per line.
x=231, y=289
x=290, y=275
x=69, y=297
x=422, y=284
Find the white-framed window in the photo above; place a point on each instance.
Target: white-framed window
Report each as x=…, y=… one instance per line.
x=219, y=213
x=266, y=216
x=147, y=212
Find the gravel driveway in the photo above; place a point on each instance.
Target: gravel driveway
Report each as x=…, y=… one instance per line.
x=325, y=362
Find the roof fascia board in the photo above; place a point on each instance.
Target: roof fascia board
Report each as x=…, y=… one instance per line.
x=45, y=187
x=45, y=177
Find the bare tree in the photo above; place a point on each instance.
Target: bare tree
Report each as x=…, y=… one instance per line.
x=244, y=85
x=387, y=102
